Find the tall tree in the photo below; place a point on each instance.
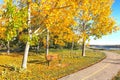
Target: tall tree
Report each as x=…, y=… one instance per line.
x=94, y=19
x=48, y=14
x=10, y=21
x=24, y=63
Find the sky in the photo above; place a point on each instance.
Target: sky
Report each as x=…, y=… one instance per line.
x=1, y=1
x=114, y=38
x=111, y=39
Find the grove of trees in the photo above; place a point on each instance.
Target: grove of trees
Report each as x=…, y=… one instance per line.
x=53, y=23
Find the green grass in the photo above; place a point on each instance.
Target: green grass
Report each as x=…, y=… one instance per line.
x=38, y=68
x=117, y=51
x=117, y=77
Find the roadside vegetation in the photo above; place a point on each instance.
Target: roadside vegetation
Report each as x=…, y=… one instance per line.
x=117, y=77
x=38, y=68
x=117, y=51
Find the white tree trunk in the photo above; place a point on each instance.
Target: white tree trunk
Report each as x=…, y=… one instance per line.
x=47, y=43
x=83, y=48
x=25, y=57
x=83, y=42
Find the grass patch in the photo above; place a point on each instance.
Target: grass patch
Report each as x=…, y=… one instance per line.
x=38, y=68
x=117, y=51
x=117, y=77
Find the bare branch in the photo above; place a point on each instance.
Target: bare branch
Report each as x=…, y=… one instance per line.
x=41, y=32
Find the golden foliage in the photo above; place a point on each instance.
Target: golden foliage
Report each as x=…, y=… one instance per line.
x=96, y=13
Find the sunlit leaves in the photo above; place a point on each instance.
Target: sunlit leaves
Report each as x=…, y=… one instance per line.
x=57, y=16
x=97, y=14
x=12, y=19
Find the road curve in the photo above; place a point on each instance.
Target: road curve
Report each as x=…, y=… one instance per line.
x=104, y=70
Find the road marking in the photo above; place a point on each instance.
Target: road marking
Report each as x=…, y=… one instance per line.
x=95, y=72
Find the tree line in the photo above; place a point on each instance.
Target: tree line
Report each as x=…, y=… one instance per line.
x=54, y=22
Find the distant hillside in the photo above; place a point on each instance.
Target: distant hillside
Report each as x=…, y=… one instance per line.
x=106, y=47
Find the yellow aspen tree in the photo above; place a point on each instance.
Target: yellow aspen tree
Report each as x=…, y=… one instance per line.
x=52, y=15
x=9, y=22
x=94, y=19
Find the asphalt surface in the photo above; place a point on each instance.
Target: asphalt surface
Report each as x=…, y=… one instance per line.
x=104, y=70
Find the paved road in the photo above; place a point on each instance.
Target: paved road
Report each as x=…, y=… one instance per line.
x=104, y=70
